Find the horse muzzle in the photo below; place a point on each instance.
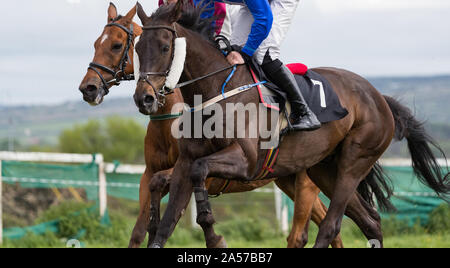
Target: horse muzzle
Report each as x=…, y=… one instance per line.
x=93, y=93
x=146, y=103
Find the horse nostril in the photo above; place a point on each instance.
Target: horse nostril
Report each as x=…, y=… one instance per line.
x=91, y=88
x=148, y=100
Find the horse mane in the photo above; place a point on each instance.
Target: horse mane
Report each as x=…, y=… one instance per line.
x=190, y=19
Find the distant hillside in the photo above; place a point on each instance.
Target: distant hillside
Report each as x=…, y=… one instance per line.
x=429, y=97
x=36, y=124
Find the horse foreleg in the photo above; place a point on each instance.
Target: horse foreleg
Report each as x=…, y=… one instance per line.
x=158, y=189
x=180, y=195
x=228, y=163
x=140, y=228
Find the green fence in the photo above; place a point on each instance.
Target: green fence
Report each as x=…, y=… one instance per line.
x=124, y=186
x=38, y=175
x=65, y=176
x=413, y=200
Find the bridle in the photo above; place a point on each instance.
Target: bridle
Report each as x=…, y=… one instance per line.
x=164, y=91
x=118, y=73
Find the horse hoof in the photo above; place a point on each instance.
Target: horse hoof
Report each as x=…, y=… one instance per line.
x=222, y=243
x=155, y=246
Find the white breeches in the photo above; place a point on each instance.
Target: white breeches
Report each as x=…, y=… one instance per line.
x=239, y=20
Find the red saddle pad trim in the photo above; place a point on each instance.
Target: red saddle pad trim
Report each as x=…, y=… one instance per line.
x=298, y=68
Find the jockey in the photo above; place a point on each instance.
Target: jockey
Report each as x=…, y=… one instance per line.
x=262, y=29
x=223, y=26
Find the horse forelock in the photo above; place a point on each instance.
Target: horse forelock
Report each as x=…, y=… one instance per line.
x=190, y=19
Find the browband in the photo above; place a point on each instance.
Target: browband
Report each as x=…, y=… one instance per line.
x=172, y=29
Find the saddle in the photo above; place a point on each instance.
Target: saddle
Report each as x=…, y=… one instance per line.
x=317, y=91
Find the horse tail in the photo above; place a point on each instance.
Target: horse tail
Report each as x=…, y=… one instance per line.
x=377, y=184
x=420, y=144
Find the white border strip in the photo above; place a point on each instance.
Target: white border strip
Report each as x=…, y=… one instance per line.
x=125, y=169
x=50, y=157
x=403, y=162
x=70, y=182
x=71, y=158
x=415, y=194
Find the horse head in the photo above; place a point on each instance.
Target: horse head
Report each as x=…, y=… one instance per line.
x=113, y=59
x=156, y=53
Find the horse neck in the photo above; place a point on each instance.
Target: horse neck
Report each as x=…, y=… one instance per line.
x=203, y=58
x=159, y=133
x=171, y=101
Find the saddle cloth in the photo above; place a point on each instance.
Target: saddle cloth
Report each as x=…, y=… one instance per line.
x=317, y=91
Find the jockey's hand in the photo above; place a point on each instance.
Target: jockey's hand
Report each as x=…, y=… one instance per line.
x=235, y=58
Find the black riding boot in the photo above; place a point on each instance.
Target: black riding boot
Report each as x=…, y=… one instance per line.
x=302, y=118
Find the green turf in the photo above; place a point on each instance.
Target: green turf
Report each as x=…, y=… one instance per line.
x=240, y=231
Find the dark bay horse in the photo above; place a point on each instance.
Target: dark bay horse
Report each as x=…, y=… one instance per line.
x=161, y=149
x=352, y=146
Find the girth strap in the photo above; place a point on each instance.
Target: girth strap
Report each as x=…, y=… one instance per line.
x=269, y=163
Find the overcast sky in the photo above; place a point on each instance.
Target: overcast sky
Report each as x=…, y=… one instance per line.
x=46, y=45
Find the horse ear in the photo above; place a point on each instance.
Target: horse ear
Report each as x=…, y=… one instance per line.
x=112, y=12
x=130, y=15
x=141, y=13
x=177, y=11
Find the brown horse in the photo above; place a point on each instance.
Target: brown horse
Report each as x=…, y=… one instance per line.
x=354, y=143
x=161, y=149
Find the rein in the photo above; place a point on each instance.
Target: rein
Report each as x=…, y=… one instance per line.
x=205, y=76
x=164, y=91
x=117, y=78
x=144, y=75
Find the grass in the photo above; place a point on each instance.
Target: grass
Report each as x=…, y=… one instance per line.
x=181, y=240
x=240, y=232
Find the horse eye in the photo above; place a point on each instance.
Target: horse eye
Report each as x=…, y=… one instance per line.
x=117, y=46
x=166, y=49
